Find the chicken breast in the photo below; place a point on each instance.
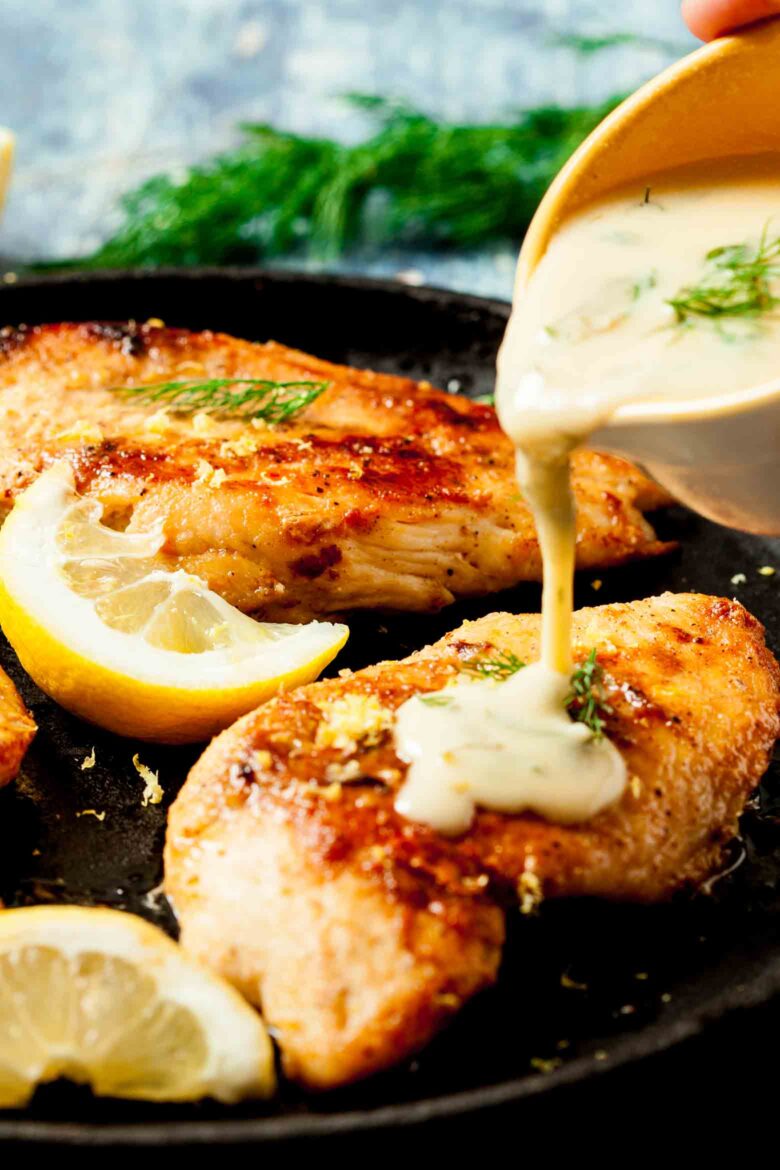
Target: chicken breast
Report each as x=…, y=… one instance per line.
x=382, y=492
x=17, y=728
x=360, y=933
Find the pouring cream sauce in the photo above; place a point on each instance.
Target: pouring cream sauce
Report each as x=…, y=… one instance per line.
x=661, y=291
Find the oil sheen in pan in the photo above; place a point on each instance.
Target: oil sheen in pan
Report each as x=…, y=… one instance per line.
x=585, y=987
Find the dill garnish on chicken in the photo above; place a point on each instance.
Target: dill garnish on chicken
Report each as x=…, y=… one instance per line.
x=293, y=487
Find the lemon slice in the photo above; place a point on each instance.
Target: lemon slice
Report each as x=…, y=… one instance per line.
x=103, y=998
x=137, y=649
x=6, y=160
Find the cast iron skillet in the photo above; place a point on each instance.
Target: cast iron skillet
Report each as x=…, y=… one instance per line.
x=586, y=987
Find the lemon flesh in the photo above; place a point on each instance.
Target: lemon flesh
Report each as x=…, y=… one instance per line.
x=103, y=998
x=130, y=646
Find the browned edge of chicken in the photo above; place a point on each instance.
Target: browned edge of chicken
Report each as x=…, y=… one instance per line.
x=360, y=933
x=17, y=728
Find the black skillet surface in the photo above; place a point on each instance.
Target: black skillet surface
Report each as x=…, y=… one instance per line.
x=586, y=988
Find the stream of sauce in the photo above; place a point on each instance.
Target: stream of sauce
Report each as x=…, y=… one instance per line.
x=627, y=305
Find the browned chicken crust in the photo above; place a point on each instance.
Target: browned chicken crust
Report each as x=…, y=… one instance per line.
x=359, y=932
x=17, y=728
x=383, y=492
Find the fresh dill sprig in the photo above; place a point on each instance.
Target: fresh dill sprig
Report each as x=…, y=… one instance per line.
x=273, y=402
x=501, y=666
x=415, y=180
x=586, y=46
x=586, y=701
x=736, y=282
x=643, y=284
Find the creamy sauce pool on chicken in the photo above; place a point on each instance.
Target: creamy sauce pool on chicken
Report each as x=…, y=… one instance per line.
x=666, y=290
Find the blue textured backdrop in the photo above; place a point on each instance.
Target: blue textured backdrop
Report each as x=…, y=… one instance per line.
x=104, y=92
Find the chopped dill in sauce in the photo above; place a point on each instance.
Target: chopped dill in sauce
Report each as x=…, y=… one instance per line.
x=586, y=701
x=736, y=282
x=643, y=284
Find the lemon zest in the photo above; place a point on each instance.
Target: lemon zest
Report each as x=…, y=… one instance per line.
x=353, y=718
x=241, y=446
x=202, y=423
x=91, y=812
x=209, y=475
x=158, y=423
x=529, y=888
x=80, y=431
x=153, y=792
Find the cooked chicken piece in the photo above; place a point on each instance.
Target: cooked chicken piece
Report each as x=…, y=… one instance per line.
x=360, y=933
x=383, y=492
x=17, y=729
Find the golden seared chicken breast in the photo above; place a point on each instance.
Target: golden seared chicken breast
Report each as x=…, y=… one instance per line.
x=17, y=728
x=380, y=492
x=359, y=932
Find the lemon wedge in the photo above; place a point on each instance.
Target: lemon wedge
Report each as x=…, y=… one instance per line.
x=103, y=998
x=6, y=160
x=132, y=647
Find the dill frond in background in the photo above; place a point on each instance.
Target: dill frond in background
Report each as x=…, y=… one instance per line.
x=586, y=46
x=414, y=181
